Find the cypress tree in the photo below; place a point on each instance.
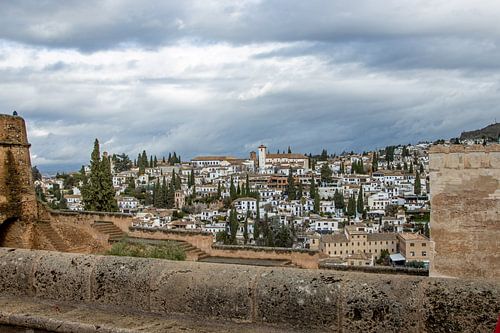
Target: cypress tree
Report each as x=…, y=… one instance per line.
x=155, y=162
x=219, y=191
x=360, y=207
x=247, y=186
x=191, y=178
x=351, y=206
x=411, y=168
x=238, y=189
x=245, y=231
x=151, y=163
x=300, y=191
x=289, y=150
x=317, y=203
x=417, y=186
x=312, y=189
x=375, y=162
x=108, y=192
x=98, y=192
x=232, y=190
x=257, y=225
x=91, y=192
x=291, y=191
x=233, y=225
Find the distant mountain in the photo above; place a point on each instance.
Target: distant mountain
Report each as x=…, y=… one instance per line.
x=491, y=132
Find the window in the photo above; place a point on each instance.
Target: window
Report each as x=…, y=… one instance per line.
x=412, y=254
x=334, y=252
x=424, y=253
x=412, y=244
x=423, y=244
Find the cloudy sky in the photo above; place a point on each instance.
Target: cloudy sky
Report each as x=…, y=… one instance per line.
x=222, y=77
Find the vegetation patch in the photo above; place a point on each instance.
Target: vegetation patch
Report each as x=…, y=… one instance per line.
x=167, y=250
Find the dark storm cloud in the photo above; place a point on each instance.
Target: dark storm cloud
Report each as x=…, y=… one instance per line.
x=221, y=77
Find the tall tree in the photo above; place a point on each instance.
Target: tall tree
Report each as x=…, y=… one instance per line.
x=360, y=206
x=338, y=199
x=245, y=230
x=98, y=193
x=219, y=190
x=232, y=190
x=291, y=190
x=233, y=225
x=289, y=150
x=312, y=189
x=109, y=203
x=247, y=186
x=326, y=173
x=300, y=191
x=257, y=224
x=375, y=162
x=316, y=203
x=417, y=186
x=324, y=155
x=351, y=206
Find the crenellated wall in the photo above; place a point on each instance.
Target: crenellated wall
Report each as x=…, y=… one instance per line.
x=306, y=299
x=465, y=211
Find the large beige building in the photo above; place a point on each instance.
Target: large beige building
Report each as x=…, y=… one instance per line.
x=354, y=241
x=414, y=247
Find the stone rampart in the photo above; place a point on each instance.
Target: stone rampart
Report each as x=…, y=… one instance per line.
x=465, y=214
x=122, y=221
x=299, y=257
x=307, y=299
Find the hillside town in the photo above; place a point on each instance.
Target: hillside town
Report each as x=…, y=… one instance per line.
x=357, y=209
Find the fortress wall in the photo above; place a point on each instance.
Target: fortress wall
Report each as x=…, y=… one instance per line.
x=122, y=221
x=307, y=299
x=465, y=211
x=300, y=258
x=201, y=240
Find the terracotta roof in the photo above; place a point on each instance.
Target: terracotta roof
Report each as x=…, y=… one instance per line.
x=334, y=238
x=213, y=158
x=412, y=236
x=295, y=156
x=381, y=237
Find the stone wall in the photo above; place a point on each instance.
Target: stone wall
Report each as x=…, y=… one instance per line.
x=465, y=214
x=307, y=299
x=201, y=240
x=300, y=257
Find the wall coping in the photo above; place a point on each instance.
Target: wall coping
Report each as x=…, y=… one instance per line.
x=447, y=149
x=263, y=248
x=87, y=212
x=171, y=231
x=376, y=269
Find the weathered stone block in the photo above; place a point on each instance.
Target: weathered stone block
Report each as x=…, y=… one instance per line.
x=300, y=298
x=208, y=290
x=122, y=281
x=63, y=276
x=380, y=303
x=15, y=271
x=459, y=306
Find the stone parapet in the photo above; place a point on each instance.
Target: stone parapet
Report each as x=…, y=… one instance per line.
x=306, y=299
